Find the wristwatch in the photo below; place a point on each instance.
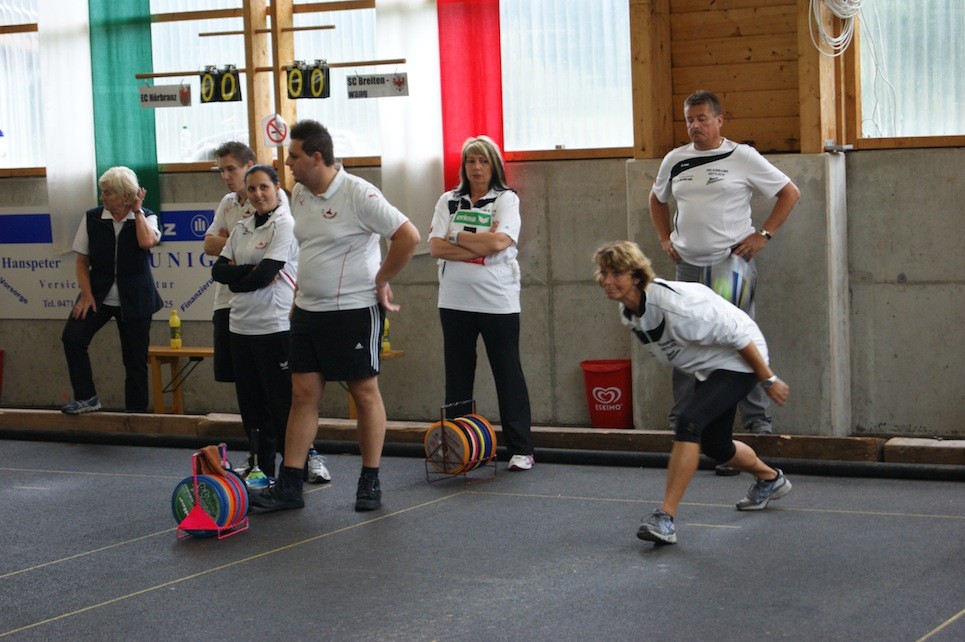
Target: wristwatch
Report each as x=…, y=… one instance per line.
x=766, y=234
x=453, y=238
x=767, y=383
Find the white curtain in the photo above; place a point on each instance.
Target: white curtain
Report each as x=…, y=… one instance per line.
x=68, y=115
x=412, y=126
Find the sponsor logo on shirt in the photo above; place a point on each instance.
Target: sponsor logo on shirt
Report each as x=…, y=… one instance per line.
x=329, y=213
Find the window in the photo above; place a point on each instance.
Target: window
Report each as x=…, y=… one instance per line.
x=566, y=74
x=176, y=45
x=911, y=62
x=21, y=114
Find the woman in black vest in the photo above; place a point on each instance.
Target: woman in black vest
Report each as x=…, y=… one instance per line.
x=113, y=246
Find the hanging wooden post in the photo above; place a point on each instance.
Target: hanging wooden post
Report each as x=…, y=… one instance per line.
x=257, y=83
x=283, y=49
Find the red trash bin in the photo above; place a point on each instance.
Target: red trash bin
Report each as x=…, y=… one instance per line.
x=609, y=392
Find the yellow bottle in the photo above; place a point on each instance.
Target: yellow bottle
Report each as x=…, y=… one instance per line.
x=175, y=324
x=386, y=345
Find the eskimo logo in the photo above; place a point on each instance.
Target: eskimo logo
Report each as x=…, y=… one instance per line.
x=607, y=398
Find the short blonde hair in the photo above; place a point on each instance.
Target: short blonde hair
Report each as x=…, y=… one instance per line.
x=120, y=180
x=623, y=256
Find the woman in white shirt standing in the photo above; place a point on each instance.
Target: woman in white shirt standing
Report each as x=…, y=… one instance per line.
x=259, y=264
x=474, y=232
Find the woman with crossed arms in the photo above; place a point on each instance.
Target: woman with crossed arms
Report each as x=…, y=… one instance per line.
x=474, y=232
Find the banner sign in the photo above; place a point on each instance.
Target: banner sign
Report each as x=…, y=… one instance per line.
x=378, y=85
x=165, y=96
x=220, y=85
x=37, y=283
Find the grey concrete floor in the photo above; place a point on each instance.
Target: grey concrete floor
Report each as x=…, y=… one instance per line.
x=90, y=552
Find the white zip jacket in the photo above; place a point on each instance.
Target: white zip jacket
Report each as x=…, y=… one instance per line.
x=688, y=326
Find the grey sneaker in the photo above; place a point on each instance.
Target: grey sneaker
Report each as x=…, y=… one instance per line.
x=762, y=491
x=79, y=406
x=658, y=528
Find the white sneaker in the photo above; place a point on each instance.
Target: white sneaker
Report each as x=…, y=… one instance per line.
x=521, y=462
x=317, y=471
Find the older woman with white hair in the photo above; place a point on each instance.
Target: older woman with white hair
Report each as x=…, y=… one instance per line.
x=113, y=246
x=474, y=232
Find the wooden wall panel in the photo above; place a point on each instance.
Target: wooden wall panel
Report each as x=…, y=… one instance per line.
x=734, y=50
x=688, y=6
x=752, y=54
x=764, y=20
x=766, y=134
x=750, y=104
x=751, y=77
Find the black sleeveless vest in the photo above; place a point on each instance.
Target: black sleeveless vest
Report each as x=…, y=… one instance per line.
x=121, y=258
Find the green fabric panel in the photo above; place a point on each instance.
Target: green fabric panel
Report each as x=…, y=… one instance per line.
x=120, y=46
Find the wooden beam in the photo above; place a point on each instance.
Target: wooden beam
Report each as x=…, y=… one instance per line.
x=283, y=49
x=568, y=154
x=24, y=28
x=651, y=77
x=345, y=5
x=849, y=96
x=183, y=16
x=816, y=86
x=257, y=84
x=914, y=142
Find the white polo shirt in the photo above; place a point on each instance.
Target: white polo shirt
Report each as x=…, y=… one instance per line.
x=490, y=284
x=338, y=236
x=82, y=244
x=713, y=190
x=688, y=326
x=265, y=310
x=229, y=212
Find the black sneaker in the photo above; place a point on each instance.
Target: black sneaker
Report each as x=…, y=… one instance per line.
x=369, y=495
x=281, y=496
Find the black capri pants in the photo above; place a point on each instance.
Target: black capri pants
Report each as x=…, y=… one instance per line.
x=707, y=412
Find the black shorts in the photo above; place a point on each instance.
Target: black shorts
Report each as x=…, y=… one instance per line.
x=342, y=346
x=224, y=366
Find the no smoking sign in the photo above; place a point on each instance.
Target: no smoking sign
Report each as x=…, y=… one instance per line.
x=275, y=130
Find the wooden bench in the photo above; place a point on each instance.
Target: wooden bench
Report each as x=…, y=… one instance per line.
x=158, y=356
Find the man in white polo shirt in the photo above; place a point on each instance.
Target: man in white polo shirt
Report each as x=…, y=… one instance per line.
x=342, y=295
x=712, y=179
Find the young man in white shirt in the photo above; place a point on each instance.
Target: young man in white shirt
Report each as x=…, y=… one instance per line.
x=342, y=295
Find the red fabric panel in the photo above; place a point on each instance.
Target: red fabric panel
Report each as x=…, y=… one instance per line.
x=470, y=65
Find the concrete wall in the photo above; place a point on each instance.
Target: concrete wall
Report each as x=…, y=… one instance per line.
x=901, y=339
x=906, y=215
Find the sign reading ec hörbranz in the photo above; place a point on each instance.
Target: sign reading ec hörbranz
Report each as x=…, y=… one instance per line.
x=165, y=96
